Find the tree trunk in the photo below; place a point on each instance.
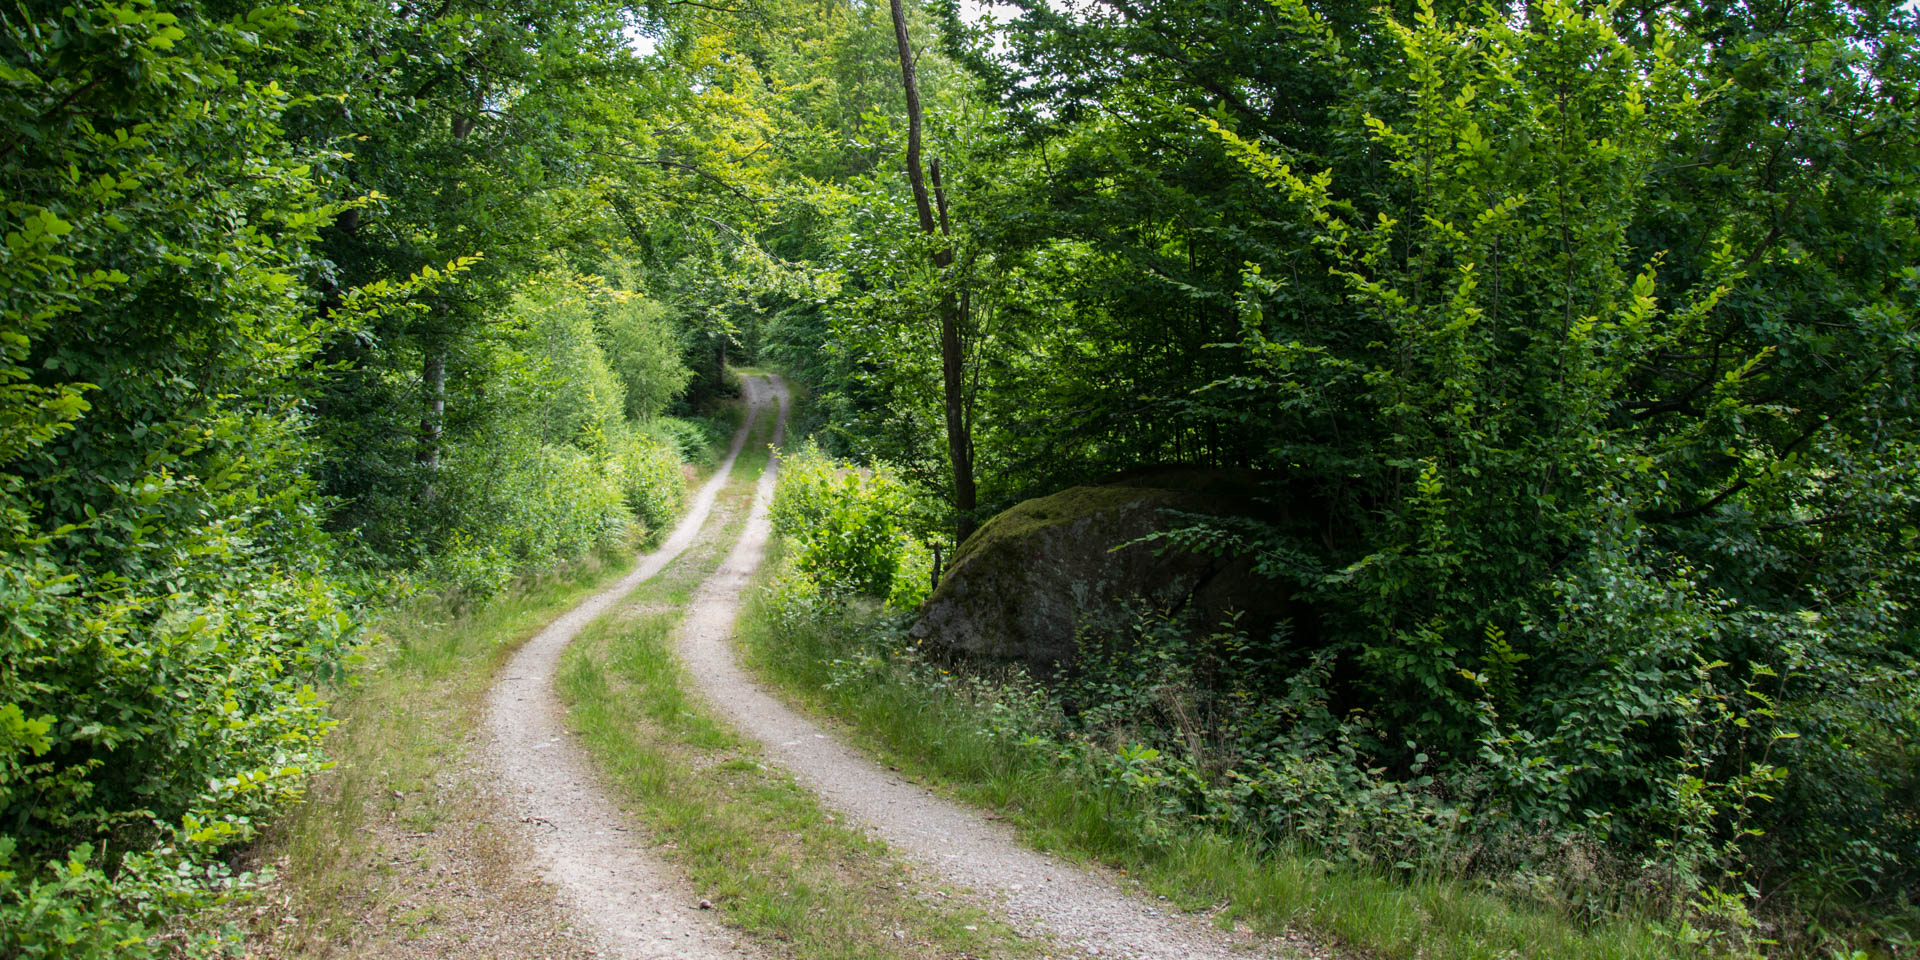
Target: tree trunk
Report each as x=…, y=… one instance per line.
x=433, y=416
x=953, y=377
x=912, y=84
x=952, y=355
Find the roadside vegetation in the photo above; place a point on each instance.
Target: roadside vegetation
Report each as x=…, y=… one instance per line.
x=299, y=322
x=1573, y=344
x=1174, y=753
x=1001, y=742
x=358, y=866
x=397, y=849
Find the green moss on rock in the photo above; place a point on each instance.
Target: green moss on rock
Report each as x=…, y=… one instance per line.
x=1074, y=503
x=1029, y=580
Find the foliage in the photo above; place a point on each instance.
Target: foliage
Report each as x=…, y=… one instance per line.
x=642, y=339
x=647, y=470
x=1000, y=740
x=848, y=528
x=1549, y=527
x=192, y=326
x=699, y=440
x=168, y=607
x=564, y=472
x=1575, y=340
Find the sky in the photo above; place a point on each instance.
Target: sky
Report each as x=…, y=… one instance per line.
x=970, y=11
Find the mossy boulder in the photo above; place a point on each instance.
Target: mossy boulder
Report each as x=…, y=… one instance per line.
x=1026, y=583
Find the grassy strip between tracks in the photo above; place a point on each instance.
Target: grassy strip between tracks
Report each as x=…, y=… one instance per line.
x=757, y=844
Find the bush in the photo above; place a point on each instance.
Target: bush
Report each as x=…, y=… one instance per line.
x=643, y=345
x=167, y=608
x=144, y=730
x=562, y=471
x=1235, y=740
x=701, y=440
x=525, y=505
x=647, y=470
x=846, y=527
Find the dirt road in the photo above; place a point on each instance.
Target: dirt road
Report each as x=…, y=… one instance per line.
x=637, y=906
x=641, y=909
x=1086, y=911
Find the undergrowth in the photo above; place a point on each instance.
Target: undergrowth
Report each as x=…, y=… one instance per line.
x=1000, y=740
x=1637, y=802
x=400, y=743
x=402, y=730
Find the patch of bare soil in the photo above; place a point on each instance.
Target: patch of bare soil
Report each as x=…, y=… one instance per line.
x=455, y=890
x=634, y=611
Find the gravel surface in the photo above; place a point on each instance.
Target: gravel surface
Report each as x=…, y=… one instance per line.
x=638, y=907
x=1084, y=910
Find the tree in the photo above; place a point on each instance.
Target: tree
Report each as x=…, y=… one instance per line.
x=465, y=127
x=1601, y=428
x=952, y=369
x=169, y=603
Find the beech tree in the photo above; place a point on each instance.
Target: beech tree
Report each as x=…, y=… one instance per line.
x=952, y=368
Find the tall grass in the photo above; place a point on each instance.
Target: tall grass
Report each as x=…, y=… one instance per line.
x=401, y=738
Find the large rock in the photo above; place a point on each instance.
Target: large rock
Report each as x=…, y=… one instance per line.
x=1025, y=583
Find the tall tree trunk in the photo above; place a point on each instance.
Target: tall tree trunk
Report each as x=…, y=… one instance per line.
x=433, y=415
x=952, y=356
x=953, y=376
x=908, y=77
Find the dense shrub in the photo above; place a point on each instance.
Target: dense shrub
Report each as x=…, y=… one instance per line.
x=699, y=440
x=197, y=339
x=1630, y=525
x=648, y=472
x=169, y=604
x=527, y=505
x=563, y=470
x=144, y=732
x=167, y=610
x=1236, y=741
x=644, y=345
x=1653, y=779
x=848, y=527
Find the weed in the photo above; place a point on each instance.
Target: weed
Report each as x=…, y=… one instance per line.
x=998, y=741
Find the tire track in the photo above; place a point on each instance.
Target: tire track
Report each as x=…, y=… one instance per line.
x=1086, y=910
x=639, y=907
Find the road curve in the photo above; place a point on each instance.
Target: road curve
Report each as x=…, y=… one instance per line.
x=638, y=907
x=1085, y=910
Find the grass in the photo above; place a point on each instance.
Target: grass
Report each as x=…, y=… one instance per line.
x=399, y=753
x=756, y=843
x=939, y=729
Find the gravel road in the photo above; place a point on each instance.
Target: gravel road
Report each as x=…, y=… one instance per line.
x=1086, y=911
x=638, y=907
